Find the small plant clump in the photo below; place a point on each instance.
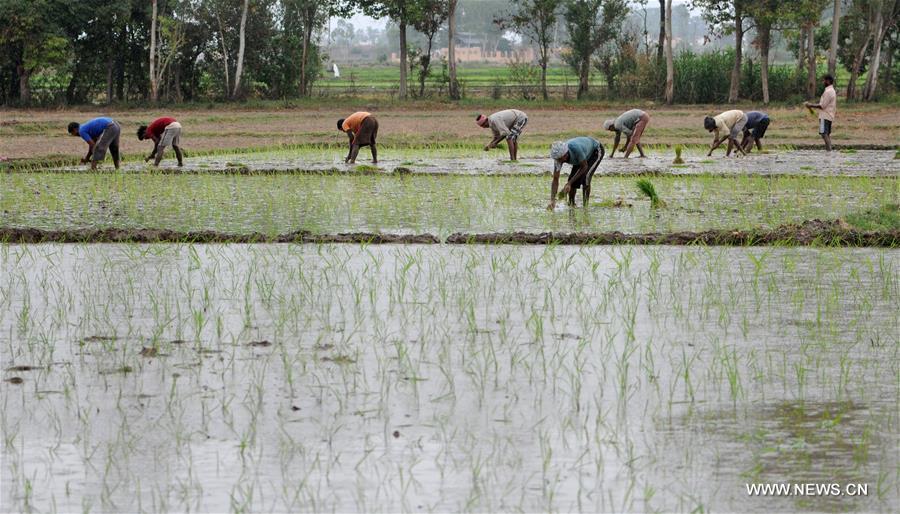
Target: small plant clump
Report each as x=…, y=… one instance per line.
x=646, y=188
x=678, y=159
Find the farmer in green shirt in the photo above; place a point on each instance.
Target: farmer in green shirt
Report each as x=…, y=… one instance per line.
x=584, y=155
x=631, y=123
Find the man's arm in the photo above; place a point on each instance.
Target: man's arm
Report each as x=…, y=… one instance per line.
x=616, y=143
x=350, y=150
x=716, y=142
x=155, y=147
x=494, y=142
x=554, y=187
x=90, y=152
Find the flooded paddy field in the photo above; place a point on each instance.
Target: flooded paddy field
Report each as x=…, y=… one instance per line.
x=776, y=161
x=412, y=204
x=446, y=378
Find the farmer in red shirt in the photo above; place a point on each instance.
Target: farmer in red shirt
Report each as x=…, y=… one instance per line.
x=163, y=132
x=362, y=129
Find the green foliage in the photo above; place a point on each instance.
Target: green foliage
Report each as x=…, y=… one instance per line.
x=886, y=217
x=590, y=24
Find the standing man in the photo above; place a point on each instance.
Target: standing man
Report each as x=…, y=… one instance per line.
x=163, y=132
x=362, y=129
x=504, y=124
x=101, y=134
x=631, y=123
x=827, y=107
x=754, y=130
x=731, y=123
x=584, y=155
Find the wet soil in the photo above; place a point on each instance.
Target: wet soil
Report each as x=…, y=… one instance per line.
x=809, y=233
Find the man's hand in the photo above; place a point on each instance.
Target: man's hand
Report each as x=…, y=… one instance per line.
x=84, y=161
x=146, y=159
x=487, y=147
x=551, y=206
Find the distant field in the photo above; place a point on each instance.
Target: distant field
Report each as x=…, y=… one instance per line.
x=40, y=134
x=365, y=76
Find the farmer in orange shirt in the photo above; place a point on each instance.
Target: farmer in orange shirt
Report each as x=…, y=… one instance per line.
x=362, y=129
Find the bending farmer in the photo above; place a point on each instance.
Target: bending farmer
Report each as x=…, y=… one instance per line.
x=731, y=123
x=584, y=155
x=631, y=123
x=362, y=129
x=754, y=130
x=163, y=132
x=506, y=124
x=100, y=134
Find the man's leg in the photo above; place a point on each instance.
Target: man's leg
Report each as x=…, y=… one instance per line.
x=640, y=148
x=354, y=150
x=585, y=195
x=758, y=143
x=374, y=149
x=512, y=144
x=114, y=151
x=572, y=195
x=827, y=138
x=178, y=154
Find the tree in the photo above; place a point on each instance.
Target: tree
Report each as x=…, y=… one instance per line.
x=240, y=59
x=835, y=31
x=31, y=31
x=670, y=61
x=885, y=15
x=451, y=49
x=166, y=36
x=725, y=17
x=535, y=20
x=404, y=13
x=432, y=14
x=590, y=24
x=766, y=14
x=662, y=32
x=805, y=14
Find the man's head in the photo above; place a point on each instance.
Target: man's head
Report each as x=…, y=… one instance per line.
x=340, y=124
x=481, y=120
x=709, y=123
x=829, y=80
x=142, y=132
x=559, y=150
x=73, y=128
x=609, y=124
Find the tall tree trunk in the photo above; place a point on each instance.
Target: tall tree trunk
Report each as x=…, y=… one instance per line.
x=670, y=59
x=545, y=57
x=878, y=34
x=811, y=56
x=24, y=86
x=240, y=59
x=764, y=33
x=662, y=32
x=801, y=50
x=857, y=66
x=451, y=51
x=584, y=74
x=403, y=59
x=154, y=81
x=309, y=20
x=224, y=54
x=110, y=65
x=734, y=89
x=426, y=64
x=835, y=30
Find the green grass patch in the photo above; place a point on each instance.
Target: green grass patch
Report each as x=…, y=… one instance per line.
x=886, y=217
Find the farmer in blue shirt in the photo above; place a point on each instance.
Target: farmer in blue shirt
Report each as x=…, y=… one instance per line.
x=100, y=134
x=584, y=155
x=754, y=130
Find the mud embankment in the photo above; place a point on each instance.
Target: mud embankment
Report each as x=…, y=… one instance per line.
x=808, y=233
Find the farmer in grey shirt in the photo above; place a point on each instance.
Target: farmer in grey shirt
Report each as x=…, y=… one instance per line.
x=631, y=123
x=506, y=124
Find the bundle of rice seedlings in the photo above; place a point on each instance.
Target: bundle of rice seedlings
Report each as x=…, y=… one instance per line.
x=646, y=188
x=678, y=159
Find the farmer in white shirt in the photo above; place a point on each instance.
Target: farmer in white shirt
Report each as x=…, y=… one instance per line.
x=507, y=125
x=827, y=107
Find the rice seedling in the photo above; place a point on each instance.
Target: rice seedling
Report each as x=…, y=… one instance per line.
x=678, y=159
x=647, y=189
